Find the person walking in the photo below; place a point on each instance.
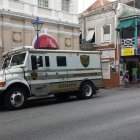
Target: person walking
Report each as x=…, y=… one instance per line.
x=134, y=73
x=126, y=79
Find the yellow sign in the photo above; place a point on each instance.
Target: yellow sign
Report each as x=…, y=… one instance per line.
x=128, y=51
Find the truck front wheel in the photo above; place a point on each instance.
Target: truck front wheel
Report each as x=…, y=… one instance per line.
x=15, y=98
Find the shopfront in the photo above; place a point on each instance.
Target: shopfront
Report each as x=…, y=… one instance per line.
x=129, y=31
x=127, y=63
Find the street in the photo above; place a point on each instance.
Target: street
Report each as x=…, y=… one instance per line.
x=113, y=115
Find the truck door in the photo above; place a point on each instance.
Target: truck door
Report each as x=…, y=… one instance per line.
x=37, y=77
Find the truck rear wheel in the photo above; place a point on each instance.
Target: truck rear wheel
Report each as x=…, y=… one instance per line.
x=86, y=90
x=15, y=98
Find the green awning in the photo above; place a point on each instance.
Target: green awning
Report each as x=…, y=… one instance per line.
x=125, y=24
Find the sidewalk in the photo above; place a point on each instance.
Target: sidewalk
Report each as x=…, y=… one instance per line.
x=134, y=84
x=131, y=85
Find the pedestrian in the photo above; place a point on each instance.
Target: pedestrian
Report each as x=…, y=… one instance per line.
x=134, y=73
x=126, y=79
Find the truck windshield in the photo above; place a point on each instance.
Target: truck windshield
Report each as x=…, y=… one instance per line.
x=18, y=59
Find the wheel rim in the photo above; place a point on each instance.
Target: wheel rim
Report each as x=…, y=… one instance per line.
x=87, y=90
x=17, y=99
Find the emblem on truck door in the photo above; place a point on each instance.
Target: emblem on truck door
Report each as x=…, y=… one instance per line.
x=34, y=75
x=84, y=60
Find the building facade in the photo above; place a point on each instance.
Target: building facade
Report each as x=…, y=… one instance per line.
x=99, y=32
x=59, y=17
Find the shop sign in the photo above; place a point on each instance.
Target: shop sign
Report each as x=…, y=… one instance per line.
x=127, y=52
x=110, y=53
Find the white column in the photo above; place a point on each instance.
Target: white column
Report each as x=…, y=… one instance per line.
x=51, y=6
x=27, y=8
x=35, y=3
x=6, y=4
x=75, y=19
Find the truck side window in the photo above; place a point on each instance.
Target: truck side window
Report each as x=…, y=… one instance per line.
x=40, y=61
x=34, y=62
x=47, y=61
x=61, y=61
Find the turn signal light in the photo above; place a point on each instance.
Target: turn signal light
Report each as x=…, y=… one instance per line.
x=2, y=84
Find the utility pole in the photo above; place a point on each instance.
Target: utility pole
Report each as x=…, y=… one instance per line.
x=84, y=20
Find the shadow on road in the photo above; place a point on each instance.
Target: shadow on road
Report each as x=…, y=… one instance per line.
x=47, y=102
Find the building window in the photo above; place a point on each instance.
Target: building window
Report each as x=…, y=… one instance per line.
x=43, y=3
x=91, y=35
x=106, y=33
x=61, y=61
x=65, y=5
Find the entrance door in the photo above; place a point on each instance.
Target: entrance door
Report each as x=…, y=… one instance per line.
x=38, y=76
x=129, y=66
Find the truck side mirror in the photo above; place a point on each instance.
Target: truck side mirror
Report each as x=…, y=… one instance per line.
x=34, y=62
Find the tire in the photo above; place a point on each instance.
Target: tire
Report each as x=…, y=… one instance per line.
x=15, y=98
x=2, y=99
x=87, y=90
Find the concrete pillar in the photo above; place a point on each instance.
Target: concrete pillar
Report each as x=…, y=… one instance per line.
x=27, y=34
x=35, y=11
x=51, y=6
x=26, y=8
x=6, y=4
x=7, y=34
x=75, y=39
x=61, y=37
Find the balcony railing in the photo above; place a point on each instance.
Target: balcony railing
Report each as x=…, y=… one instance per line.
x=129, y=42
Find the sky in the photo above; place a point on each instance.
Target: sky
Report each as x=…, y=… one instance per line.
x=84, y=4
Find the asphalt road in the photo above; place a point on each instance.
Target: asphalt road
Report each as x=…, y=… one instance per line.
x=113, y=115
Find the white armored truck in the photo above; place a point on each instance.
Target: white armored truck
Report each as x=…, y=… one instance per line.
x=28, y=72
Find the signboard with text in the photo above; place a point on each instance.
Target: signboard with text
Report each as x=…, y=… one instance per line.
x=127, y=51
x=108, y=53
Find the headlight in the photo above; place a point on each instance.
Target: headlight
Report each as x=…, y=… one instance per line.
x=2, y=84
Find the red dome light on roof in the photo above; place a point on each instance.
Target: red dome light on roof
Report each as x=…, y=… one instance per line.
x=46, y=42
